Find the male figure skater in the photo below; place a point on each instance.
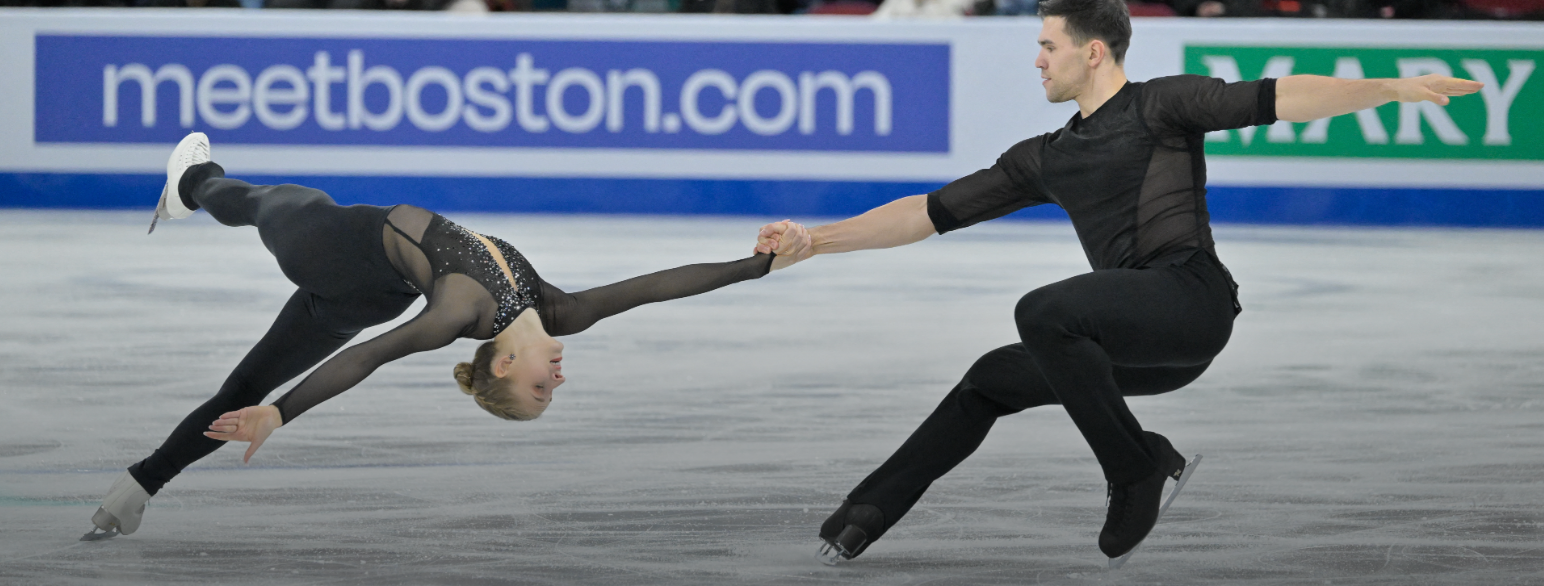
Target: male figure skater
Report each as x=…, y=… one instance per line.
x=1159, y=304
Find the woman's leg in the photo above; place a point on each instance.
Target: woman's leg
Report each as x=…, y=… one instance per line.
x=238, y=203
x=300, y=338
x=322, y=247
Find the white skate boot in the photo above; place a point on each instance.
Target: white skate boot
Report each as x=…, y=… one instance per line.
x=193, y=150
x=121, y=511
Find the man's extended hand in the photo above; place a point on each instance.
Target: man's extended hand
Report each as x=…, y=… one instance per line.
x=790, y=240
x=251, y=424
x=1301, y=98
x=1433, y=88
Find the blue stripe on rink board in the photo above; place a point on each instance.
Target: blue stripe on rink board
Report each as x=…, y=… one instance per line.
x=789, y=198
x=1497, y=208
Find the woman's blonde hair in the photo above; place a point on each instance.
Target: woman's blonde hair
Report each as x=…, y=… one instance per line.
x=476, y=379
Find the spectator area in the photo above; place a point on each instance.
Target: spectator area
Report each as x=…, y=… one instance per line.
x=1367, y=9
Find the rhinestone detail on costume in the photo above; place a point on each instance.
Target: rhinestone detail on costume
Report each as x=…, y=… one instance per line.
x=457, y=250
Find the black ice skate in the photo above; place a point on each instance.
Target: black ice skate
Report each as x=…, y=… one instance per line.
x=1133, y=509
x=849, y=531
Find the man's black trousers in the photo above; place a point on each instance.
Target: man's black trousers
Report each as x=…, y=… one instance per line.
x=1086, y=344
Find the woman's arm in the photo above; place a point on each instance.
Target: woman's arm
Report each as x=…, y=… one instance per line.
x=438, y=326
x=570, y=313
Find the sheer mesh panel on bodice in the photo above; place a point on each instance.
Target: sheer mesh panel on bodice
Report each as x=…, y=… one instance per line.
x=430, y=252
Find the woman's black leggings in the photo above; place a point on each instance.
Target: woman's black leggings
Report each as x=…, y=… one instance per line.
x=334, y=254
x=1087, y=343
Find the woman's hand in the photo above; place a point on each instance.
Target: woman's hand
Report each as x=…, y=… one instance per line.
x=252, y=424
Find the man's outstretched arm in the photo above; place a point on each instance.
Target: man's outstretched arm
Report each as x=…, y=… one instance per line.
x=1301, y=98
x=897, y=223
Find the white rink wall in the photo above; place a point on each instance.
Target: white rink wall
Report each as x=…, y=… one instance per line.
x=723, y=114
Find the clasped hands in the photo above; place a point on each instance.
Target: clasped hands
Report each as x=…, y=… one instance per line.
x=788, y=239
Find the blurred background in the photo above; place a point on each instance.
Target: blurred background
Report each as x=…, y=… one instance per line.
x=1368, y=9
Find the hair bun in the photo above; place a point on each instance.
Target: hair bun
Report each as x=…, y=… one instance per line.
x=463, y=374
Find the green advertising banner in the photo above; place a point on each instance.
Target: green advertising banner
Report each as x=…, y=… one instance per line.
x=1505, y=121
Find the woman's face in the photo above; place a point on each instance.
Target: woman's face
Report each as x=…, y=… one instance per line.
x=534, y=373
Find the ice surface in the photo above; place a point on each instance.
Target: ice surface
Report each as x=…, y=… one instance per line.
x=1375, y=420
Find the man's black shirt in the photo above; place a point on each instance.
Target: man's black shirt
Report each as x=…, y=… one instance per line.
x=1132, y=176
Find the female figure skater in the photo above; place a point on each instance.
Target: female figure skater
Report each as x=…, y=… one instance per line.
x=360, y=266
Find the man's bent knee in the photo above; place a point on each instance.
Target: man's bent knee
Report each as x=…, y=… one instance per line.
x=1042, y=318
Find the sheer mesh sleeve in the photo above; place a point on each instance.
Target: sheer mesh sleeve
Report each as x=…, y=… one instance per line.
x=439, y=325
x=1193, y=104
x=1008, y=186
x=570, y=313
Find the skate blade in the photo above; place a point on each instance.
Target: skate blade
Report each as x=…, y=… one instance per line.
x=829, y=554
x=156, y=216
x=1117, y=562
x=92, y=535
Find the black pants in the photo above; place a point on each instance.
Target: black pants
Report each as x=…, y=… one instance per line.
x=335, y=256
x=1087, y=343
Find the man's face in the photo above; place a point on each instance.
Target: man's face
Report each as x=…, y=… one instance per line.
x=1064, y=69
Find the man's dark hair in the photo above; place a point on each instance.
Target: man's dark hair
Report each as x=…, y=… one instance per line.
x=1106, y=20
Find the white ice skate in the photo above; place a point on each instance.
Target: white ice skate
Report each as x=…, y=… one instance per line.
x=121, y=511
x=1184, y=477
x=193, y=150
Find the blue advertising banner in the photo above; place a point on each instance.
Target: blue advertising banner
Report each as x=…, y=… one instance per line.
x=711, y=114
x=524, y=93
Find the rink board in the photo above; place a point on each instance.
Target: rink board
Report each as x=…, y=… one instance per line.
x=714, y=115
